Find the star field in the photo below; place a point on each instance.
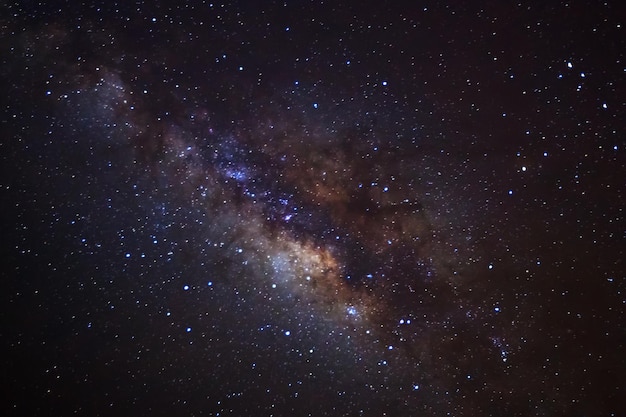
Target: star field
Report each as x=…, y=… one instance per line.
x=313, y=209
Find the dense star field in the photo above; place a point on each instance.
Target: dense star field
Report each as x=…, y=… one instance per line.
x=268, y=208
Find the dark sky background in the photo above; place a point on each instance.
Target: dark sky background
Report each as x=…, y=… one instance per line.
x=313, y=208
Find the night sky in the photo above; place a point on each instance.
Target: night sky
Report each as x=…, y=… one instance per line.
x=309, y=208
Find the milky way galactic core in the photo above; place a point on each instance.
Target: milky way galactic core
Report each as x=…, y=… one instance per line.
x=300, y=208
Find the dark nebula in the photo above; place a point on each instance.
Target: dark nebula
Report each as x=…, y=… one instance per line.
x=313, y=208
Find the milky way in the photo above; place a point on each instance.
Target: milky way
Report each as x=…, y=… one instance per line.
x=308, y=209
